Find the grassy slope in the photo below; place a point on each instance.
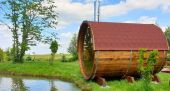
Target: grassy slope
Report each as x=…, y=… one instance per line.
x=47, y=57
x=70, y=71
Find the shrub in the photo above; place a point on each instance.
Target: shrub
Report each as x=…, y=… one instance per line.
x=1, y=55
x=73, y=58
x=146, y=68
x=29, y=59
x=8, y=55
x=63, y=59
x=168, y=57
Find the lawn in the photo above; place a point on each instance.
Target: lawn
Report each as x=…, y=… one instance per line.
x=70, y=71
x=47, y=57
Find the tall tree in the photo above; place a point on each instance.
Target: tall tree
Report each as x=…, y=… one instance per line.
x=72, y=49
x=167, y=34
x=29, y=19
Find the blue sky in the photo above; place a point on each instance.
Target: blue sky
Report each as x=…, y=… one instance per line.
x=73, y=12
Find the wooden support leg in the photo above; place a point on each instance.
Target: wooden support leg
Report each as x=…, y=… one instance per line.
x=101, y=81
x=130, y=79
x=156, y=78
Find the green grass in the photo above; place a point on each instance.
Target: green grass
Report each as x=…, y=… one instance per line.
x=47, y=57
x=70, y=71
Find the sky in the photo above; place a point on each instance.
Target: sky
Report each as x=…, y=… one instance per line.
x=73, y=12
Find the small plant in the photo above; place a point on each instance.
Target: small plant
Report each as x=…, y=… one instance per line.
x=54, y=48
x=73, y=58
x=8, y=54
x=28, y=59
x=1, y=55
x=63, y=59
x=146, y=68
x=168, y=57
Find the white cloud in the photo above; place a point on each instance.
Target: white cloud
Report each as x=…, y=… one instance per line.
x=144, y=20
x=5, y=37
x=165, y=5
x=147, y=20
x=74, y=11
x=44, y=48
x=5, y=31
x=125, y=6
x=64, y=41
x=71, y=12
x=40, y=49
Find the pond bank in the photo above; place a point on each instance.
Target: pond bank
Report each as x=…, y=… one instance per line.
x=22, y=83
x=59, y=70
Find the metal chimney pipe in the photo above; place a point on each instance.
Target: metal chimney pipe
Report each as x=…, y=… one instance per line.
x=97, y=10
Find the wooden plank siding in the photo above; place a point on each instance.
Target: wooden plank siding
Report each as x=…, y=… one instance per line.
x=118, y=63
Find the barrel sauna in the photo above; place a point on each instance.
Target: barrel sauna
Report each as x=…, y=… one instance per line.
x=112, y=49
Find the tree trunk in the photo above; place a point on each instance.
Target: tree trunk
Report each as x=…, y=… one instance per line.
x=15, y=36
x=52, y=58
x=26, y=28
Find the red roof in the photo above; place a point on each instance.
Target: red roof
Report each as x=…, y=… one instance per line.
x=126, y=36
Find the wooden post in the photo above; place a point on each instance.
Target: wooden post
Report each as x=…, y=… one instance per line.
x=101, y=81
x=156, y=78
x=130, y=79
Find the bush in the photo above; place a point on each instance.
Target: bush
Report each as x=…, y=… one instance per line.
x=63, y=59
x=7, y=55
x=146, y=68
x=73, y=58
x=168, y=57
x=29, y=59
x=1, y=55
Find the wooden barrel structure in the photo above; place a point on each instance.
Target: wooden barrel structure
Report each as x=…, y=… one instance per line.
x=112, y=49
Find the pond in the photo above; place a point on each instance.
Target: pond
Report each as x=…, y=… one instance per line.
x=14, y=83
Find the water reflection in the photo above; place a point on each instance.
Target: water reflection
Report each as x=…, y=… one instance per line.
x=53, y=88
x=17, y=84
x=34, y=84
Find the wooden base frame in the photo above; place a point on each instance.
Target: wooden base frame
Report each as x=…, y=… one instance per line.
x=101, y=81
x=130, y=79
x=156, y=78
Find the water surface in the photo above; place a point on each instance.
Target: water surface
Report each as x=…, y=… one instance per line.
x=15, y=83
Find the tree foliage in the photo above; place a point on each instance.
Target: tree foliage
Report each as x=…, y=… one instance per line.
x=9, y=54
x=72, y=49
x=146, y=68
x=29, y=19
x=54, y=47
x=167, y=34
